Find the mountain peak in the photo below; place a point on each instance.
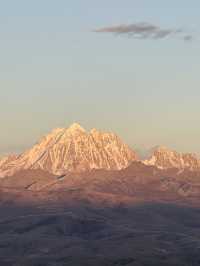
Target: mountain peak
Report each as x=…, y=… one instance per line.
x=165, y=158
x=162, y=149
x=76, y=127
x=73, y=150
x=94, y=131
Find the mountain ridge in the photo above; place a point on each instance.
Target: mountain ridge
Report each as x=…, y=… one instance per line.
x=165, y=158
x=72, y=149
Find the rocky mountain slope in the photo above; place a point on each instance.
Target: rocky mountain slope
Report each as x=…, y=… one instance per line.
x=139, y=216
x=165, y=158
x=81, y=198
x=136, y=182
x=143, y=234
x=72, y=150
x=6, y=160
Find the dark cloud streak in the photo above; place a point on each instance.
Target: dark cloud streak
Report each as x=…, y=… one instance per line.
x=188, y=38
x=145, y=30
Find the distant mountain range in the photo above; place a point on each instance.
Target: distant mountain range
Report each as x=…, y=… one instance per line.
x=86, y=198
x=164, y=158
x=74, y=149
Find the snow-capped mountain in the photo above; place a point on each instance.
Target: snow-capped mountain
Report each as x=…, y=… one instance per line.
x=165, y=158
x=72, y=150
x=6, y=160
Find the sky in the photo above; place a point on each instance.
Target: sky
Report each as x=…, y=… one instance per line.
x=131, y=67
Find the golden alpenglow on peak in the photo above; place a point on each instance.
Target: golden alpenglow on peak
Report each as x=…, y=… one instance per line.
x=73, y=150
x=76, y=127
x=165, y=158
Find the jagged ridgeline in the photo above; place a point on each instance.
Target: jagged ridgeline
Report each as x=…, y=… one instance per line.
x=72, y=149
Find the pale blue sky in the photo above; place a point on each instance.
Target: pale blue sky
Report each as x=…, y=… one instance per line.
x=55, y=70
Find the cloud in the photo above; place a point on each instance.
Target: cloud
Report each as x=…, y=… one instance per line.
x=188, y=38
x=143, y=30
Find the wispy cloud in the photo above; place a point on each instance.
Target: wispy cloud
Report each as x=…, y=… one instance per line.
x=188, y=37
x=144, y=30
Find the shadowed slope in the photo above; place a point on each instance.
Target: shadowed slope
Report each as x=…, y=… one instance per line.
x=86, y=235
x=101, y=218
